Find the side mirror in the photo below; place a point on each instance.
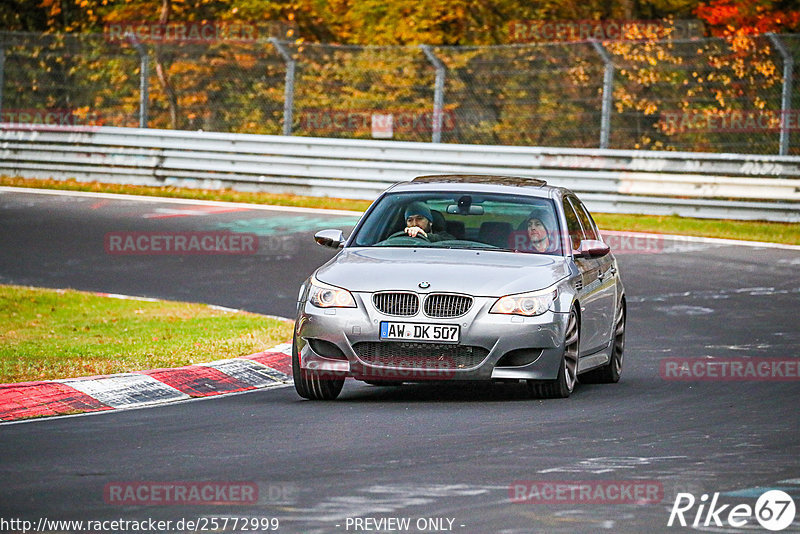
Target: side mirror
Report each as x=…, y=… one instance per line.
x=330, y=238
x=591, y=248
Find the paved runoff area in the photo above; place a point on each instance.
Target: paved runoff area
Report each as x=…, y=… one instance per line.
x=702, y=433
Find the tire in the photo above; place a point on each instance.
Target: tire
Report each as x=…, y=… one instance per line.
x=563, y=386
x=610, y=372
x=310, y=385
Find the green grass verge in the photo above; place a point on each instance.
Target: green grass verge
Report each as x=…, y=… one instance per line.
x=50, y=334
x=749, y=231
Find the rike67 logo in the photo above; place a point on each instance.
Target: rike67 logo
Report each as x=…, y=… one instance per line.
x=774, y=510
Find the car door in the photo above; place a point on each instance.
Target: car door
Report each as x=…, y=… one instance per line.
x=589, y=294
x=606, y=294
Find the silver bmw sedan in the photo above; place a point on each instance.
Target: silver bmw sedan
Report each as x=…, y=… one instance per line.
x=462, y=277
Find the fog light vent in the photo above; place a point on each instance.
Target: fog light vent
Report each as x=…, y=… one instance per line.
x=519, y=357
x=326, y=349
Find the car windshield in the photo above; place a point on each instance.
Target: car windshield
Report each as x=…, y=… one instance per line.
x=504, y=222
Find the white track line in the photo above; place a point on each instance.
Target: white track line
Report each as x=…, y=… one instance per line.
x=707, y=240
x=168, y=200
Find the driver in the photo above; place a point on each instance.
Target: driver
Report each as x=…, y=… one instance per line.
x=419, y=223
x=539, y=235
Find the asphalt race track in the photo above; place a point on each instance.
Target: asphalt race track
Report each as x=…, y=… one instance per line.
x=445, y=457
x=59, y=241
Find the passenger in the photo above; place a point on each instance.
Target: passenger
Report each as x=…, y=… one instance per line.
x=539, y=236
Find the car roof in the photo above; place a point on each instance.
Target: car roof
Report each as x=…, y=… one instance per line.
x=484, y=183
x=515, y=181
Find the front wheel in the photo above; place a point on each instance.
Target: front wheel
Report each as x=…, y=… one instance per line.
x=564, y=384
x=311, y=385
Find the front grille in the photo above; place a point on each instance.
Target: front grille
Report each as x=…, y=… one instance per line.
x=445, y=305
x=405, y=355
x=396, y=303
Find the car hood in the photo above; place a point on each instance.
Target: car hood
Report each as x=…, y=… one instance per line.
x=480, y=273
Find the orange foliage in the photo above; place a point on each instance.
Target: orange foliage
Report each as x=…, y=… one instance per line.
x=746, y=17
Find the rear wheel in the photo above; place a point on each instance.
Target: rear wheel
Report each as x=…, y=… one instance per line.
x=564, y=384
x=311, y=385
x=610, y=372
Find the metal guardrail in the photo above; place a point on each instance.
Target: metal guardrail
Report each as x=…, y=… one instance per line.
x=615, y=181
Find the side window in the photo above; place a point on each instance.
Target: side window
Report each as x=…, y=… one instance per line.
x=589, y=228
x=573, y=225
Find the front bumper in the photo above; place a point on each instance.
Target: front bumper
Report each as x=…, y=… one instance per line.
x=345, y=342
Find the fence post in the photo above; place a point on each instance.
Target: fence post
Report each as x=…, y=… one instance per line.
x=144, y=79
x=608, y=88
x=2, y=76
x=786, y=94
x=288, y=89
x=438, y=92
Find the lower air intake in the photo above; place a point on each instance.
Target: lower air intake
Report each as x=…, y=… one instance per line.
x=405, y=355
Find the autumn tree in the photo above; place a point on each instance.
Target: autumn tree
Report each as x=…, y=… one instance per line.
x=348, y=58
x=749, y=17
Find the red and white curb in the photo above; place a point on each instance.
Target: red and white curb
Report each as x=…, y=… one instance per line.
x=267, y=369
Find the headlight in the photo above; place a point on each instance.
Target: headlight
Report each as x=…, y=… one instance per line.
x=323, y=295
x=528, y=304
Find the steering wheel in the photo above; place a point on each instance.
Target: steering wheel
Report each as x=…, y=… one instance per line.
x=402, y=233
x=404, y=240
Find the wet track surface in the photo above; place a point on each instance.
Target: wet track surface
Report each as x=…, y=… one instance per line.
x=419, y=451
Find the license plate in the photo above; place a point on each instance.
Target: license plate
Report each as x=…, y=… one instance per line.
x=443, y=333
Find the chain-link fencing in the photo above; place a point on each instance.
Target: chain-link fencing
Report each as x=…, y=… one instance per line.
x=737, y=95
